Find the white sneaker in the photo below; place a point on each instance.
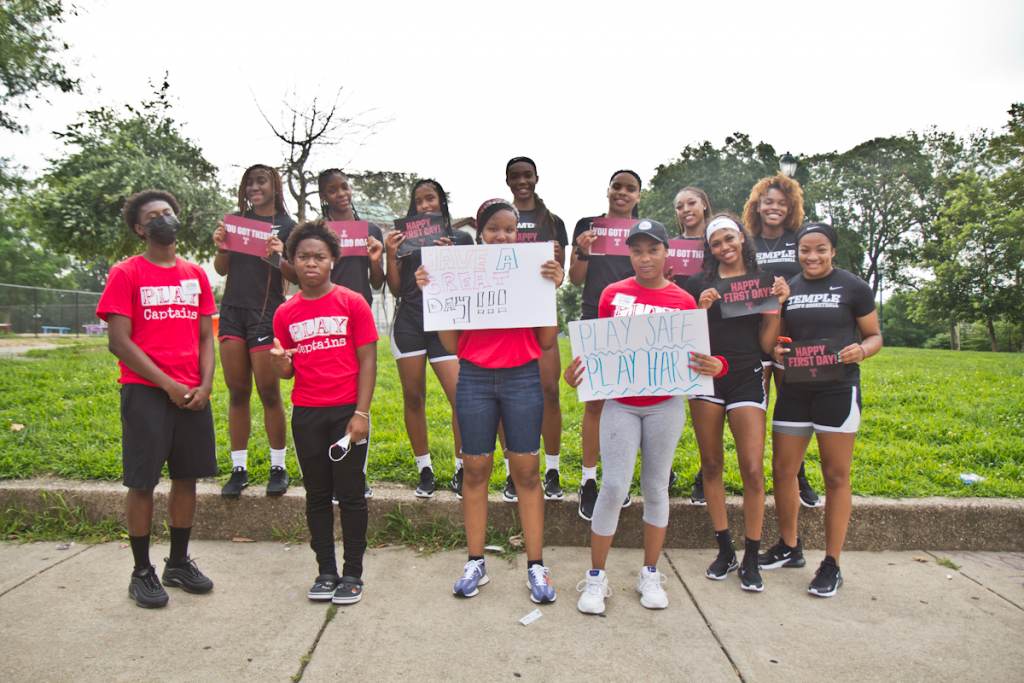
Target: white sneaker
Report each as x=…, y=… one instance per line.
x=593, y=590
x=648, y=585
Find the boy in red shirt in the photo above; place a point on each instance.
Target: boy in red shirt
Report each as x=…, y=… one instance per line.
x=158, y=308
x=325, y=337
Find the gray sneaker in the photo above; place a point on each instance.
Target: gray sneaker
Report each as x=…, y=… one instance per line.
x=145, y=589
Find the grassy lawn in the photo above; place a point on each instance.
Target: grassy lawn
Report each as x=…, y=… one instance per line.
x=928, y=417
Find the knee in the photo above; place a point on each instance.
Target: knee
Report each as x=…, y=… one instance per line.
x=270, y=394
x=753, y=476
x=551, y=396
x=239, y=393
x=836, y=478
x=526, y=479
x=711, y=467
x=414, y=399
x=615, y=490
x=475, y=474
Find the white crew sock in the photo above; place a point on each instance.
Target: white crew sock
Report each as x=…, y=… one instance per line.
x=423, y=461
x=277, y=457
x=589, y=473
x=240, y=458
x=458, y=464
x=508, y=472
x=551, y=462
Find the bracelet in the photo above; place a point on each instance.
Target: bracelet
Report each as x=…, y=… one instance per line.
x=863, y=351
x=581, y=256
x=362, y=414
x=725, y=367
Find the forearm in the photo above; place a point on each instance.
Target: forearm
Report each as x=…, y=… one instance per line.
x=578, y=270
x=129, y=353
x=377, y=274
x=871, y=344
x=221, y=262
x=546, y=336
x=288, y=272
x=394, y=276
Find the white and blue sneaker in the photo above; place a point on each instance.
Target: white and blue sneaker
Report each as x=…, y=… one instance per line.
x=474, y=575
x=538, y=580
x=649, y=586
x=593, y=590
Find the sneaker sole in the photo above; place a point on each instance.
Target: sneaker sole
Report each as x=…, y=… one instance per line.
x=424, y=494
x=784, y=564
x=699, y=503
x=649, y=606
x=155, y=605
x=275, y=494
x=828, y=594
x=590, y=611
x=554, y=496
x=482, y=582
x=819, y=504
x=346, y=601
x=752, y=588
x=233, y=496
x=368, y=494
x=541, y=602
x=320, y=597
x=583, y=516
x=175, y=583
x=627, y=503
x=509, y=500
x=723, y=577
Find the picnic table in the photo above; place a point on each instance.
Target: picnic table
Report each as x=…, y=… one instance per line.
x=55, y=329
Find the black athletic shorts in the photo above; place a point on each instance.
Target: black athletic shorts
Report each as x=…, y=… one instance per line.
x=805, y=408
x=741, y=387
x=409, y=340
x=251, y=325
x=155, y=431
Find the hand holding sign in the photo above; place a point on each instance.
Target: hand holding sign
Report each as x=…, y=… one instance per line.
x=812, y=360
x=685, y=256
x=610, y=236
x=248, y=236
x=421, y=230
x=352, y=237
x=748, y=295
x=219, y=236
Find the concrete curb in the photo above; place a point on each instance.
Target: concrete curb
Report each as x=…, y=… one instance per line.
x=971, y=524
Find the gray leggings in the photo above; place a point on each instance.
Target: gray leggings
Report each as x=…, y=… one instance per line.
x=653, y=429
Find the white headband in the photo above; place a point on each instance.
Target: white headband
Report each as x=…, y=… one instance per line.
x=718, y=224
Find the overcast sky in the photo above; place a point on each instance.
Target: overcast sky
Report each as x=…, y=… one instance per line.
x=583, y=88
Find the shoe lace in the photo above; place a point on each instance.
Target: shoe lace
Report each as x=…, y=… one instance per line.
x=649, y=581
x=150, y=580
x=472, y=568
x=594, y=586
x=538, y=575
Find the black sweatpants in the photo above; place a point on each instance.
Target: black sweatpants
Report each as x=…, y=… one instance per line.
x=314, y=430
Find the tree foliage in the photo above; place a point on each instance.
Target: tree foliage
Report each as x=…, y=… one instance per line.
x=30, y=56
x=110, y=154
x=388, y=190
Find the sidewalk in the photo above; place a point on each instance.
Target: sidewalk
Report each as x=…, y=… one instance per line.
x=65, y=614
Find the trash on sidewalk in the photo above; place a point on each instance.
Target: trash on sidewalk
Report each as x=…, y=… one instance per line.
x=494, y=549
x=971, y=478
x=65, y=546
x=242, y=539
x=531, y=617
x=923, y=560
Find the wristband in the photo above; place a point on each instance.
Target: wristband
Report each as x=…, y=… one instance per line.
x=581, y=256
x=725, y=367
x=863, y=351
x=362, y=414
x=783, y=340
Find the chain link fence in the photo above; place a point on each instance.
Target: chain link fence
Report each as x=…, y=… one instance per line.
x=38, y=310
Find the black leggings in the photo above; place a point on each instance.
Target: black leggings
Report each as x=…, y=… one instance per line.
x=314, y=430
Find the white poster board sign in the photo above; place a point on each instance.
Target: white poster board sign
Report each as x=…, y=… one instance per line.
x=487, y=286
x=641, y=355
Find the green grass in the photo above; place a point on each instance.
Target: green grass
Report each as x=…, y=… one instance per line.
x=928, y=416
x=57, y=521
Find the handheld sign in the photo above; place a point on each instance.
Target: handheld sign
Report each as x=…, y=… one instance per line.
x=814, y=360
x=747, y=295
x=611, y=236
x=488, y=286
x=421, y=230
x=246, y=236
x=351, y=236
x=642, y=355
x=685, y=256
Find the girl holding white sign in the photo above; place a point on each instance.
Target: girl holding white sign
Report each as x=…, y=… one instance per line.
x=595, y=273
x=411, y=345
x=252, y=292
x=831, y=321
x=499, y=382
x=739, y=396
x=652, y=424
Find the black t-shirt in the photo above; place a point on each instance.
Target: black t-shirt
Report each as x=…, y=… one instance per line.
x=410, y=294
x=354, y=271
x=252, y=282
x=601, y=271
x=778, y=255
x=738, y=339
x=828, y=309
x=528, y=231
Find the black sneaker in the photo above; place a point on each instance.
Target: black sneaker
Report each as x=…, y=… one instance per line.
x=826, y=581
x=697, y=494
x=278, y=484
x=456, y=483
x=628, y=501
x=239, y=480
x=367, y=491
x=508, y=494
x=425, y=489
x=672, y=478
x=349, y=590
x=187, y=577
x=750, y=578
x=145, y=589
x=781, y=555
x=720, y=568
x=808, y=497
x=553, y=486
x=588, y=498
x=323, y=587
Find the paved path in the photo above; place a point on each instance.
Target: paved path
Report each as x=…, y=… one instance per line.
x=65, y=614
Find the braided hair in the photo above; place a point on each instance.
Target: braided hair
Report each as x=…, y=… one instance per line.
x=275, y=183
x=446, y=218
x=321, y=180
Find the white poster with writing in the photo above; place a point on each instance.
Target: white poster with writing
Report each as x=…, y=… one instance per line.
x=488, y=286
x=641, y=355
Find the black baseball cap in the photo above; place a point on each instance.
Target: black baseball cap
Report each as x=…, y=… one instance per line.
x=650, y=228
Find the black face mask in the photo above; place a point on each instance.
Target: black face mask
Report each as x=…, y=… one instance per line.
x=163, y=229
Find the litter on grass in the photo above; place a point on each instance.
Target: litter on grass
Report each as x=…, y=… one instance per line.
x=971, y=478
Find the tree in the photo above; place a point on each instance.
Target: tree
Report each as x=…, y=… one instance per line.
x=726, y=174
x=304, y=130
x=878, y=192
x=110, y=154
x=30, y=56
x=386, y=189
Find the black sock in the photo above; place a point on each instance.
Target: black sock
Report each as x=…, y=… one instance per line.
x=475, y=557
x=530, y=563
x=724, y=539
x=140, y=551
x=831, y=560
x=750, y=550
x=179, y=545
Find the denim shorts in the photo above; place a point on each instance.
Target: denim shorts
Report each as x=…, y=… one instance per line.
x=512, y=395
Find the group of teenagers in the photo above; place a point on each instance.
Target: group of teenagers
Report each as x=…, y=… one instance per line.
x=502, y=384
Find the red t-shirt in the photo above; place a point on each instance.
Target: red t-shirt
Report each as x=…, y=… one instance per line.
x=325, y=333
x=628, y=297
x=499, y=348
x=164, y=305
